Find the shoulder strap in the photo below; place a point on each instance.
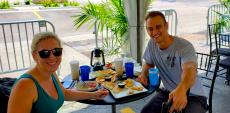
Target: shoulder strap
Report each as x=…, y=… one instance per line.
x=28, y=76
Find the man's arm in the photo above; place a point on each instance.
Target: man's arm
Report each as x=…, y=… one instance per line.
x=144, y=73
x=178, y=95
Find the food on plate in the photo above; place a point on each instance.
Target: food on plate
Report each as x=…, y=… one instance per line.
x=130, y=92
x=117, y=89
x=121, y=84
x=108, y=65
x=128, y=82
x=109, y=85
x=114, y=76
x=86, y=86
x=106, y=72
x=138, y=88
x=100, y=79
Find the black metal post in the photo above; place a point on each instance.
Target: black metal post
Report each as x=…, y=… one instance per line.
x=138, y=33
x=113, y=108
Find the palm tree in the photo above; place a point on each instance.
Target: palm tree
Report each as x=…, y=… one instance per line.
x=224, y=19
x=109, y=16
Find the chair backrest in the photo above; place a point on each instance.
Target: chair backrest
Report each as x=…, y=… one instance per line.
x=224, y=40
x=213, y=31
x=213, y=16
x=209, y=74
x=217, y=38
x=15, y=42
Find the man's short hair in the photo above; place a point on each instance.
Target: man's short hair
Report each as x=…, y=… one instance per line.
x=152, y=14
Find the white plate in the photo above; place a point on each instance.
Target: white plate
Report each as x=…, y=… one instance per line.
x=87, y=86
x=125, y=91
x=95, y=74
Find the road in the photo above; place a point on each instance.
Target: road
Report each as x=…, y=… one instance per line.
x=62, y=20
x=191, y=20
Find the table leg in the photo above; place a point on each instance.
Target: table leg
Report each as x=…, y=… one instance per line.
x=113, y=108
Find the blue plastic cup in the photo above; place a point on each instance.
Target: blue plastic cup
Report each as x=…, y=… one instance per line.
x=84, y=72
x=129, y=66
x=153, y=76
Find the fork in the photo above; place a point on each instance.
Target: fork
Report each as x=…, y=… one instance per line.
x=82, y=83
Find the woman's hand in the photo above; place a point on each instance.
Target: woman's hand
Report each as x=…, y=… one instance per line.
x=100, y=94
x=142, y=79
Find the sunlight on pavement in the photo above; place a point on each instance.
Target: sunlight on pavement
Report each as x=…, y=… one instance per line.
x=127, y=110
x=37, y=15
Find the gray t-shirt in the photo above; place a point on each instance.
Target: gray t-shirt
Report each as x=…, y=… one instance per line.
x=169, y=62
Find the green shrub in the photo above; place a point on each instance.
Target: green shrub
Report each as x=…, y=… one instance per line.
x=72, y=3
x=28, y=2
x=50, y=3
x=224, y=19
x=4, y=4
x=41, y=1
x=66, y=3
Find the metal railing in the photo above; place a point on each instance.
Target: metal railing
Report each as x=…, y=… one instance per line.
x=15, y=39
x=213, y=16
x=109, y=40
x=171, y=18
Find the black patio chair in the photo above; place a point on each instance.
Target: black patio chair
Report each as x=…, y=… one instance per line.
x=225, y=64
x=207, y=73
x=219, y=42
x=220, y=45
x=224, y=41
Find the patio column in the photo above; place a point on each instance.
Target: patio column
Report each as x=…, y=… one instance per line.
x=135, y=11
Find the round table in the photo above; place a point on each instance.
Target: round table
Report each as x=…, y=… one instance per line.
x=110, y=100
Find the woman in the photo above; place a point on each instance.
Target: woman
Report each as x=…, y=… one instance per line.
x=39, y=90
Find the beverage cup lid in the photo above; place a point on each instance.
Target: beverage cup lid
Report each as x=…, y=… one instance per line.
x=153, y=69
x=118, y=60
x=74, y=62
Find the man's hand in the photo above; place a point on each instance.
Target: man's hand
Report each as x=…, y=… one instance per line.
x=179, y=98
x=143, y=79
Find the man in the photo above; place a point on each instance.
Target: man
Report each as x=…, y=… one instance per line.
x=176, y=61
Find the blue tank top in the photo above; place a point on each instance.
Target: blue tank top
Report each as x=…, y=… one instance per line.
x=45, y=103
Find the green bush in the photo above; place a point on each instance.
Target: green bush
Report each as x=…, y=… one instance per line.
x=66, y=3
x=4, y=4
x=28, y=2
x=224, y=19
x=41, y=1
x=73, y=3
x=50, y=3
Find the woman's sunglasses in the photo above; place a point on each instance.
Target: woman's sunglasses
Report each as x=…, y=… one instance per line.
x=46, y=53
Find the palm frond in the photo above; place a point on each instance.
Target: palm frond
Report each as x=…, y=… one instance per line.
x=110, y=16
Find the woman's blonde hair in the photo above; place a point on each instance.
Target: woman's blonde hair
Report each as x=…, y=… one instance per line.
x=43, y=36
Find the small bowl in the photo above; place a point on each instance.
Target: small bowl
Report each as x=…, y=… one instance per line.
x=121, y=84
x=108, y=78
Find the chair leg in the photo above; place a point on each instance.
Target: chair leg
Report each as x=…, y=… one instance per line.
x=209, y=64
x=227, y=82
